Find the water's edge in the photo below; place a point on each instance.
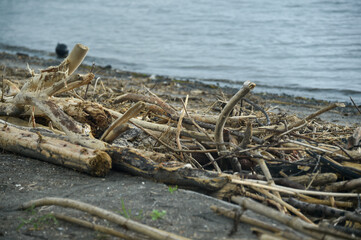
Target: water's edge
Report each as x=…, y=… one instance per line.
x=227, y=85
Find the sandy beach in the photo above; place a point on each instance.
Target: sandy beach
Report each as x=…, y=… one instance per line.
x=188, y=213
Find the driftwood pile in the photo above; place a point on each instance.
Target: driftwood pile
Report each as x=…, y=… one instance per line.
x=308, y=170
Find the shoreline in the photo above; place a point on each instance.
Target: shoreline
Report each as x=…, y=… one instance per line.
x=188, y=213
x=299, y=106
x=308, y=92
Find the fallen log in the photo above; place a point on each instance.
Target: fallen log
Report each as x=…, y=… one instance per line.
x=317, y=179
x=293, y=222
x=153, y=233
x=56, y=151
x=170, y=172
x=319, y=210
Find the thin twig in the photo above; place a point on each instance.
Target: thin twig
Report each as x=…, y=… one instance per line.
x=110, y=216
x=167, y=146
x=218, y=132
x=111, y=133
x=283, y=203
x=3, y=85
x=354, y=104
x=179, y=126
x=290, y=191
x=257, y=107
x=93, y=226
x=210, y=157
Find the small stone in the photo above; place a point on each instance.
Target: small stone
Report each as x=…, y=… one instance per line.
x=61, y=50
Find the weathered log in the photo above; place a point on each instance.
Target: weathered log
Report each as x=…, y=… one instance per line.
x=255, y=222
x=290, y=221
x=8, y=109
x=176, y=173
x=60, y=152
x=157, y=166
x=153, y=233
x=87, y=112
x=354, y=184
x=318, y=179
x=319, y=210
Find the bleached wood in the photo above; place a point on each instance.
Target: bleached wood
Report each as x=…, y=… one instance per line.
x=56, y=151
x=76, y=57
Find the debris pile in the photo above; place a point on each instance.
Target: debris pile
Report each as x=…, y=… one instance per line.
x=306, y=172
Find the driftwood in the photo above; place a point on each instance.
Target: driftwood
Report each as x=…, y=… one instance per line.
x=315, y=179
x=318, y=210
x=254, y=222
x=187, y=148
x=292, y=222
x=93, y=226
x=122, y=221
x=354, y=184
x=60, y=152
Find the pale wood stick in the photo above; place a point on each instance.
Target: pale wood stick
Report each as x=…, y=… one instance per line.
x=9, y=89
x=108, y=215
x=327, y=202
x=283, y=203
x=60, y=152
x=344, y=185
x=319, y=179
x=218, y=132
x=269, y=178
x=259, y=198
x=294, y=128
x=135, y=123
x=141, y=97
x=325, y=211
x=2, y=85
x=111, y=133
x=210, y=157
x=197, y=125
x=162, y=128
x=331, y=231
x=179, y=125
x=69, y=83
x=76, y=57
x=95, y=227
x=257, y=223
x=290, y=191
x=281, y=129
x=51, y=75
x=213, y=119
x=293, y=222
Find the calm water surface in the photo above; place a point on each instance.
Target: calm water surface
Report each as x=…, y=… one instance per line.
x=308, y=48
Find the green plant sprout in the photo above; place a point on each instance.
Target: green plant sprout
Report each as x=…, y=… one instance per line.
x=37, y=221
x=172, y=189
x=157, y=214
x=127, y=213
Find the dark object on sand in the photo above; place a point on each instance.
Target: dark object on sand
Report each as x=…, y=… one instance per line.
x=61, y=50
x=22, y=55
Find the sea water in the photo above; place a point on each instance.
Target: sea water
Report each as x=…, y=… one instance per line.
x=309, y=48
